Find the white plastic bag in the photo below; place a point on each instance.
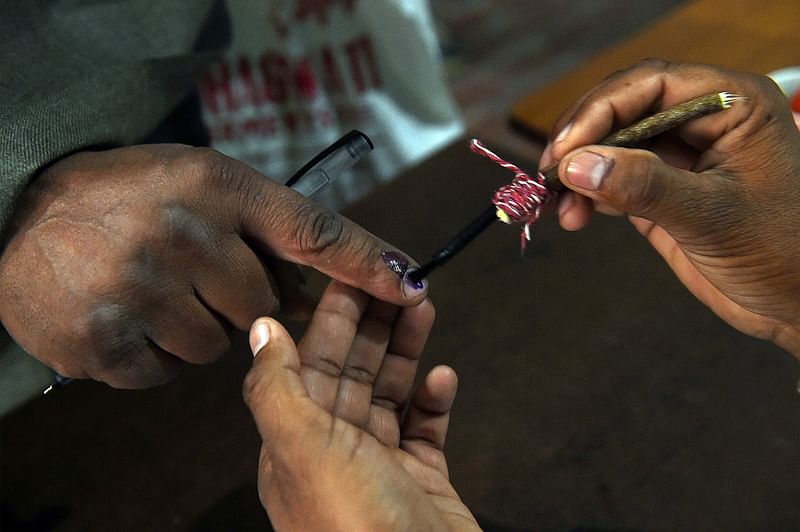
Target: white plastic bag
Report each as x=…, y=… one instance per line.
x=300, y=73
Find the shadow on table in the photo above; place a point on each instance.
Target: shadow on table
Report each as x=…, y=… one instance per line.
x=241, y=510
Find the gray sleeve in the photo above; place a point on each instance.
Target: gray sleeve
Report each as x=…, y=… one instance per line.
x=77, y=74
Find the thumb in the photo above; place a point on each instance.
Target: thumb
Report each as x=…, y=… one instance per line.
x=273, y=389
x=299, y=230
x=636, y=182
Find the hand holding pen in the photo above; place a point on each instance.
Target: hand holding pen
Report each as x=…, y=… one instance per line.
x=717, y=197
x=138, y=260
x=337, y=158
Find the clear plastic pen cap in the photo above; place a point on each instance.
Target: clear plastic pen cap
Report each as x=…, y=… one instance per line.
x=342, y=157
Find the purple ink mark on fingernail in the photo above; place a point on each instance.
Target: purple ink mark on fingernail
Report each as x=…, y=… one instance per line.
x=396, y=261
x=416, y=285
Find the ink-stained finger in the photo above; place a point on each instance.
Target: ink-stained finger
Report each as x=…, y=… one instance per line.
x=299, y=230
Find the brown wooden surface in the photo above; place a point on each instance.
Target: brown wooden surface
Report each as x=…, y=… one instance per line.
x=595, y=394
x=748, y=35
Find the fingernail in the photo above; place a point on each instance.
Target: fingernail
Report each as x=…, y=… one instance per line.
x=564, y=132
x=259, y=335
x=588, y=169
x=546, y=159
x=396, y=261
x=412, y=288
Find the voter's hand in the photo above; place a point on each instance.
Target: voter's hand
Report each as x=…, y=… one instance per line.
x=340, y=450
x=122, y=265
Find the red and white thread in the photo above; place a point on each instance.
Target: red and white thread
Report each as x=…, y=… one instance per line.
x=523, y=198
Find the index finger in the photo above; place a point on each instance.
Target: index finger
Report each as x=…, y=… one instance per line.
x=297, y=229
x=649, y=87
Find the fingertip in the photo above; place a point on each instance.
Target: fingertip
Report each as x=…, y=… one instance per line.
x=413, y=290
x=546, y=158
x=273, y=386
x=444, y=375
x=428, y=308
x=561, y=143
x=574, y=211
x=441, y=384
x=260, y=333
x=564, y=133
x=424, y=310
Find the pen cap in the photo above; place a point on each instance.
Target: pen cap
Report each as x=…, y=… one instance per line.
x=338, y=161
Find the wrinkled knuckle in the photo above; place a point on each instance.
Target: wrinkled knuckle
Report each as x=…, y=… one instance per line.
x=648, y=66
x=358, y=374
x=325, y=365
x=208, y=161
x=209, y=168
x=318, y=229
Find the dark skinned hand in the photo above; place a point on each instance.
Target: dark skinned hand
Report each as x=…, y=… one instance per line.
x=125, y=264
x=718, y=198
x=336, y=453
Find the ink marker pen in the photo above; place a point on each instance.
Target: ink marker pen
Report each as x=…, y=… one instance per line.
x=311, y=178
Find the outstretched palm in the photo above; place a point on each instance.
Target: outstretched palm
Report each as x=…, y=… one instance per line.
x=336, y=452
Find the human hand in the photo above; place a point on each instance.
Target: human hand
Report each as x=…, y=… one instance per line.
x=718, y=198
x=335, y=455
x=124, y=264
